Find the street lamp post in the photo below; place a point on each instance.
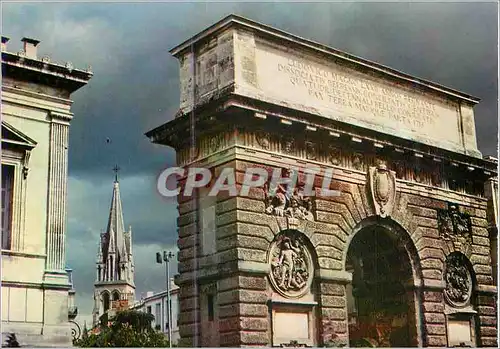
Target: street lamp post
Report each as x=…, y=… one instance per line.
x=167, y=256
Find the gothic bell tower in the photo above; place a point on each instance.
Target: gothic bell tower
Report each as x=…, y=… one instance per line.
x=114, y=288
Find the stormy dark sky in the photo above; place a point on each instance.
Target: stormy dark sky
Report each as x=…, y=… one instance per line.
x=135, y=88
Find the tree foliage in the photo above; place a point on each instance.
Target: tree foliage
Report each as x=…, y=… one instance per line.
x=128, y=328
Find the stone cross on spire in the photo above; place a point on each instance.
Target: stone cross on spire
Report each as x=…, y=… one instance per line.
x=115, y=170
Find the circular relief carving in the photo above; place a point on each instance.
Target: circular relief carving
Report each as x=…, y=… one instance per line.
x=292, y=267
x=458, y=279
x=215, y=142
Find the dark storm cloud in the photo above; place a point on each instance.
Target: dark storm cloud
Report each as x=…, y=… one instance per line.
x=135, y=88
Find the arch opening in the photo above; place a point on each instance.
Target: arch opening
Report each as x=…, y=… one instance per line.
x=380, y=304
x=105, y=301
x=116, y=296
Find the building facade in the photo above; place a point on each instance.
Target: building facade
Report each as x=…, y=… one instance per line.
x=400, y=256
x=36, y=115
x=114, y=289
x=157, y=304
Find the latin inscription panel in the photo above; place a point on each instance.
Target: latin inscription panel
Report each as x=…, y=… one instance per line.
x=325, y=88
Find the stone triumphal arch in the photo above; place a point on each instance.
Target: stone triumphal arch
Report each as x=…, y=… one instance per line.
x=401, y=257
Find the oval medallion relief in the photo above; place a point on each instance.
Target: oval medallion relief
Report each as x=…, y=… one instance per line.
x=458, y=279
x=292, y=268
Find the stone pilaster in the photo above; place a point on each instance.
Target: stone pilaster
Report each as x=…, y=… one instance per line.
x=333, y=312
x=57, y=194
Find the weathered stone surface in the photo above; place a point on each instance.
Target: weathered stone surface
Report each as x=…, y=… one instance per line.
x=188, y=230
x=187, y=242
x=334, y=313
x=187, y=218
x=244, y=282
x=436, y=341
x=486, y=310
x=433, y=307
x=429, y=252
x=422, y=211
x=433, y=318
x=486, y=300
x=432, y=296
x=188, y=304
x=327, y=240
x=480, y=259
x=432, y=263
x=489, y=342
x=480, y=232
x=432, y=274
x=435, y=329
x=329, y=263
x=333, y=218
x=484, y=279
x=336, y=207
x=254, y=324
x=488, y=331
x=332, y=289
x=479, y=222
x=243, y=309
x=254, y=338
x=482, y=269
x=333, y=301
x=244, y=296
x=481, y=241
x=250, y=242
x=488, y=320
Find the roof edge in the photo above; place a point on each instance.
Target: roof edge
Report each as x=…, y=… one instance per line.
x=233, y=19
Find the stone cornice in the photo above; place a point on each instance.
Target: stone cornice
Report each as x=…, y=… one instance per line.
x=56, y=116
x=36, y=95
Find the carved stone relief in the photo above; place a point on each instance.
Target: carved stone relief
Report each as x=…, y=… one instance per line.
x=280, y=203
x=335, y=156
x=454, y=225
x=383, y=189
x=263, y=139
x=358, y=161
x=458, y=280
x=288, y=145
x=311, y=153
x=215, y=142
x=292, y=268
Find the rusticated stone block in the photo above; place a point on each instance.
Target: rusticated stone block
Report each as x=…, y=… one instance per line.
x=333, y=218
x=230, y=339
x=188, y=230
x=431, y=263
x=252, y=255
x=484, y=279
x=367, y=204
x=479, y=222
x=254, y=324
x=329, y=263
x=186, y=253
x=226, y=218
x=187, y=242
x=330, y=251
x=187, y=317
x=242, y=309
x=488, y=331
x=486, y=310
x=251, y=242
x=246, y=282
x=247, y=204
x=433, y=307
x=480, y=232
x=429, y=252
x=186, y=219
x=327, y=240
x=427, y=242
x=426, y=232
x=481, y=250
x=432, y=274
x=426, y=202
x=254, y=338
x=489, y=342
x=336, y=207
x=255, y=230
x=187, y=206
x=477, y=212
x=418, y=211
x=482, y=269
x=488, y=320
x=333, y=313
x=332, y=289
x=188, y=304
x=432, y=296
x=486, y=300
x=436, y=341
x=333, y=301
x=244, y=296
x=481, y=241
x=480, y=259
x=230, y=324
x=433, y=318
x=187, y=330
x=435, y=329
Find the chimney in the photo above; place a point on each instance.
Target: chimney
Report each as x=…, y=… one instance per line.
x=4, y=43
x=30, y=47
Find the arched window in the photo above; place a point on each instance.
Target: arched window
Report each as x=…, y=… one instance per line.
x=116, y=296
x=105, y=301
